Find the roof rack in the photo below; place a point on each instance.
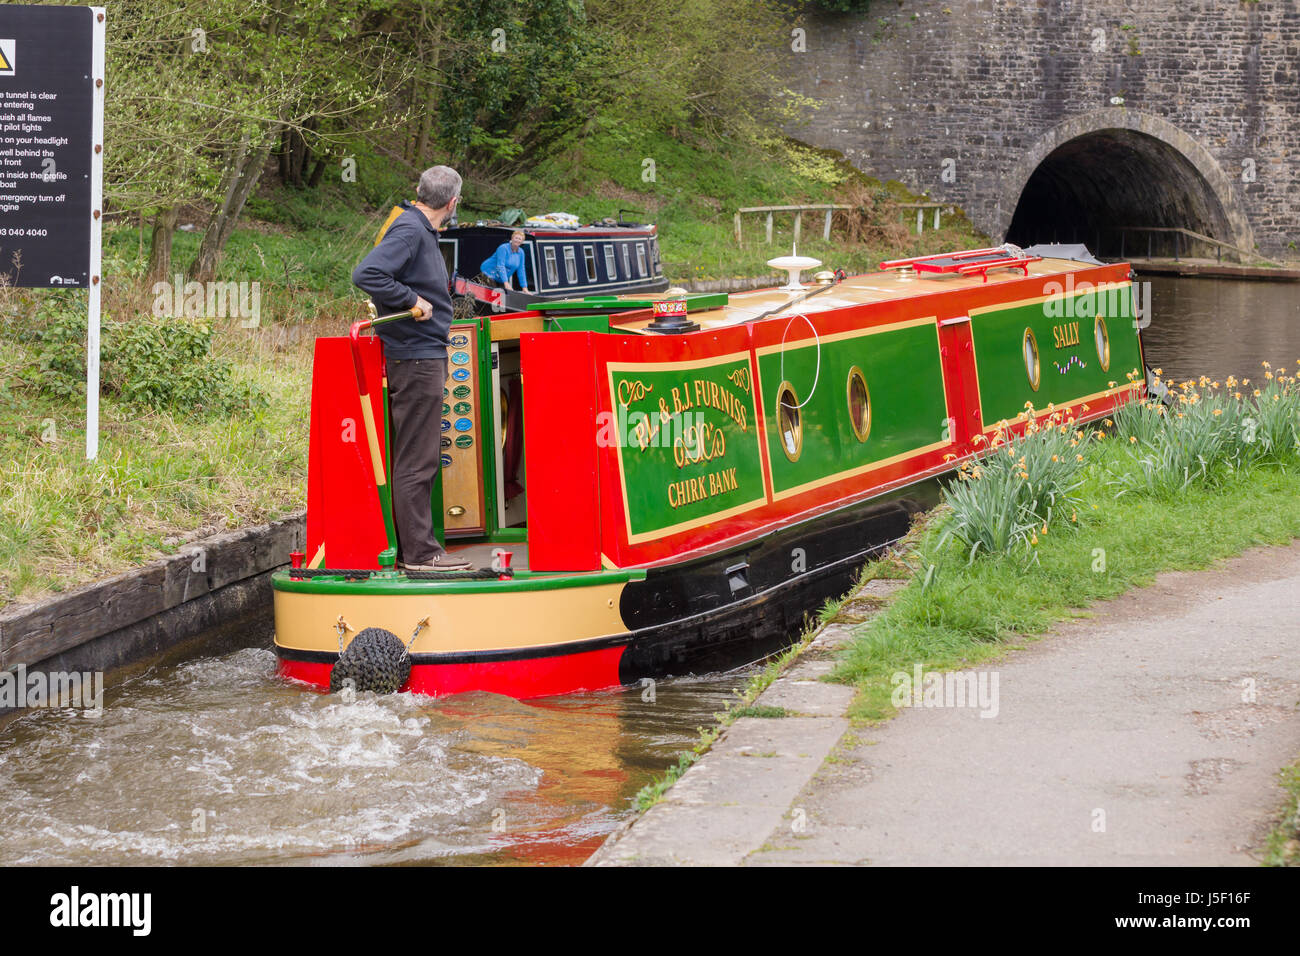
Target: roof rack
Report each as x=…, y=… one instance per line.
x=973, y=262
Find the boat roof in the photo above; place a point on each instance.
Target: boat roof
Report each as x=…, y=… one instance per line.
x=862, y=289
x=586, y=231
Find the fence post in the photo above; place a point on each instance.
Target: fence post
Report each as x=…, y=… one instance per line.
x=769, y=228
x=920, y=221
x=826, y=230
x=737, y=222
x=798, y=220
x=936, y=218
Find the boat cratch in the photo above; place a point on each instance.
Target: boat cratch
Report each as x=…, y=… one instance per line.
x=668, y=484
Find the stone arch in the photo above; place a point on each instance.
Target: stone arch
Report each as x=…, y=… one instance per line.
x=1127, y=164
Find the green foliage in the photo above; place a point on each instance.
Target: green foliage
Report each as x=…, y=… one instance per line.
x=1283, y=845
x=1024, y=485
x=653, y=792
x=973, y=612
x=520, y=75
x=1206, y=433
x=760, y=710
x=149, y=362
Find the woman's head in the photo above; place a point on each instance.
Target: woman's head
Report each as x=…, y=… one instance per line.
x=516, y=239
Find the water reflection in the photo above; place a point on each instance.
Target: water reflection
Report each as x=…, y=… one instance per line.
x=1221, y=327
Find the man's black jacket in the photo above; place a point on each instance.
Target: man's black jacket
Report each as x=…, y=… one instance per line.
x=404, y=265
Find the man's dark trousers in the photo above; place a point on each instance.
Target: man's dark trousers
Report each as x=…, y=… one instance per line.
x=415, y=393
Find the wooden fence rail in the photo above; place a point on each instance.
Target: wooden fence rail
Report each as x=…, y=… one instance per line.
x=798, y=217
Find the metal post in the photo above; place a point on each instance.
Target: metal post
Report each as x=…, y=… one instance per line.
x=96, y=232
x=826, y=230
x=769, y=228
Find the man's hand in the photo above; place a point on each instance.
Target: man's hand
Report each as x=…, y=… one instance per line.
x=425, y=308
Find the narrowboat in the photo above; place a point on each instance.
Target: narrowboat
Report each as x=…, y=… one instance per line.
x=605, y=258
x=660, y=485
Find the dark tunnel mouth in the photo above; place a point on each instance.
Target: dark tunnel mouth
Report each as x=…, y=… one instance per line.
x=1089, y=187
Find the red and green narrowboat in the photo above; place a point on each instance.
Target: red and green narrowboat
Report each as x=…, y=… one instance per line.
x=654, y=493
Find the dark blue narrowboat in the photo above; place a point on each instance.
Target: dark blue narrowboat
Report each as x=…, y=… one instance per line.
x=609, y=258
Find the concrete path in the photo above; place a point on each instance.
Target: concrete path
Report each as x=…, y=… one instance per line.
x=1149, y=734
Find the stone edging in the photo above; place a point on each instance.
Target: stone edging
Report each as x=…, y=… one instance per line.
x=727, y=803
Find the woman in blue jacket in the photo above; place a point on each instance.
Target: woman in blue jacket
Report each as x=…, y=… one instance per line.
x=508, y=260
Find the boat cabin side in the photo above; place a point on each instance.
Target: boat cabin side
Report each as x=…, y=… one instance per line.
x=577, y=428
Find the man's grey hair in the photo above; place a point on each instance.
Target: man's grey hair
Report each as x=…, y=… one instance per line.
x=439, y=185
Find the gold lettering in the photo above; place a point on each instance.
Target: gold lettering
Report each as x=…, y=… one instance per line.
x=1063, y=336
x=633, y=390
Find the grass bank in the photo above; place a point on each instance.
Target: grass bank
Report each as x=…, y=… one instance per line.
x=1283, y=845
x=1059, y=518
x=167, y=472
x=969, y=614
x=163, y=476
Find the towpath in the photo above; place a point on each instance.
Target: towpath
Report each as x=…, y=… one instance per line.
x=1150, y=733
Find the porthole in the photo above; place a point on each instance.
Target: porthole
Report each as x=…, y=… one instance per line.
x=1031, y=358
x=1103, y=343
x=859, y=404
x=788, y=424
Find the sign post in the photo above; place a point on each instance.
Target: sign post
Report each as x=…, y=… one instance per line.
x=51, y=161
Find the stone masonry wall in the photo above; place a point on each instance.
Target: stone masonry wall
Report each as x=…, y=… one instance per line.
x=963, y=99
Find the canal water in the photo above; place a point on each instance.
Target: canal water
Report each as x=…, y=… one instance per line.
x=217, y=761
x=1221, y=327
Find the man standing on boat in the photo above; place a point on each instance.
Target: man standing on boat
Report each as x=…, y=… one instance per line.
x=406, y=271
x=508, y=260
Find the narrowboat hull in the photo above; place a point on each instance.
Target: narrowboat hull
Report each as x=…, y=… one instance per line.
x=559, y=634
x=678, y=503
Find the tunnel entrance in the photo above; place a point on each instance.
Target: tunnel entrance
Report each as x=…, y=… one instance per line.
x=1090, y=187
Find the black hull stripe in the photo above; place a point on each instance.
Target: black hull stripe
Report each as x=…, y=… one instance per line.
x=722, y=615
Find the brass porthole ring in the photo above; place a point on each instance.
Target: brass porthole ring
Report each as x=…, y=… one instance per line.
x=1103, y=343
x=1032, y=369
x=859, y=404
x=789, y=424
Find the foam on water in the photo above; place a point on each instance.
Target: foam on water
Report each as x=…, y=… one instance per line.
x=219, y=761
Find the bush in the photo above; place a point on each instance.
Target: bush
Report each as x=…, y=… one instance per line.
x=151, y=362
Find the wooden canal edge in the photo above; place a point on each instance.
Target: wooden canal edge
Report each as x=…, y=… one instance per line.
x=209, y=595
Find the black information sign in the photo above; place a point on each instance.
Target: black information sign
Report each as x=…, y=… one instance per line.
x=46, y=115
